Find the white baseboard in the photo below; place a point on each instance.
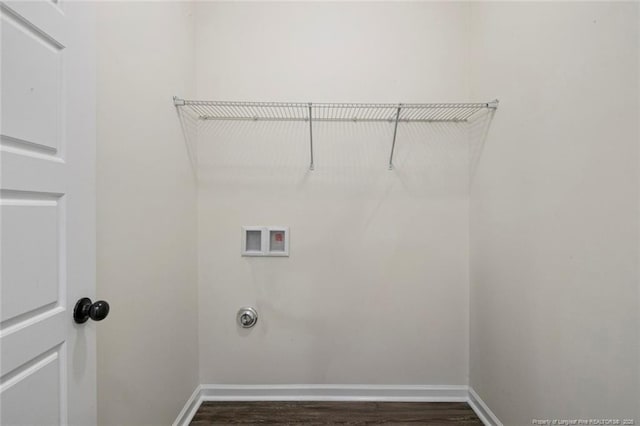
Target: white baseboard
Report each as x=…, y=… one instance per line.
x=406, y=393
x=482, y=410
x=190, y=408
x=383, y=393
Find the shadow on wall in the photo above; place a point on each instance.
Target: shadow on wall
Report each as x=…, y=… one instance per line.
x=189, y=126
x=437, y=159
x=478, y=132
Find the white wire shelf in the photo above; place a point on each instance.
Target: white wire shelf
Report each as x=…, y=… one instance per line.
x=335, y=112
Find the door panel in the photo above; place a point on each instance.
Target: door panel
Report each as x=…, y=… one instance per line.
x=31, y=83
x=36, y=383
x=47, y=212
x=28, y=339
x=30, y=257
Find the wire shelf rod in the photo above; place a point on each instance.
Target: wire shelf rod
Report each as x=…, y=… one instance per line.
x=328, y=111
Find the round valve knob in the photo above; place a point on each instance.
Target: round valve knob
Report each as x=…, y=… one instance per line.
x=247, y=317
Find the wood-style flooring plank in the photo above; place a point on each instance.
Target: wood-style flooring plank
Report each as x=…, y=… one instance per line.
x=339, y=413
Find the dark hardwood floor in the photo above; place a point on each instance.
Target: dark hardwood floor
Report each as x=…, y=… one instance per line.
x=328, y=413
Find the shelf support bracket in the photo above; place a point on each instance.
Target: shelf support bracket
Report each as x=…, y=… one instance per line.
x=178, y=102
x=395, y=132
x=310, y=137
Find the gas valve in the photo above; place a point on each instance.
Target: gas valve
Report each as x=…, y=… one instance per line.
x=247, y=317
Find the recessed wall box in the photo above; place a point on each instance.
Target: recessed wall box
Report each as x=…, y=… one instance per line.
x=253, y=241
x=265, y=241
x=278, y=241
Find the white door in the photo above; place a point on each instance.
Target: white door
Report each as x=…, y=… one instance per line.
x=47, y=208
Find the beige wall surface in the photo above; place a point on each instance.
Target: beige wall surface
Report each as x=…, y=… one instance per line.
x=146, y=225
x=554, y=212
x=376, y=286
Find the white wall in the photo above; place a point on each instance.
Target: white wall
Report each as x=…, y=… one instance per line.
x=554, y=212
x=376, y=287
x=147, y=348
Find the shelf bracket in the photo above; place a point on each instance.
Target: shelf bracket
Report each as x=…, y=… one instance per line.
x=310, y=137
x=178, y=102
x=395, y=132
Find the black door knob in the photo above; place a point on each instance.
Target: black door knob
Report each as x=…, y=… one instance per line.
x=85, y=309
